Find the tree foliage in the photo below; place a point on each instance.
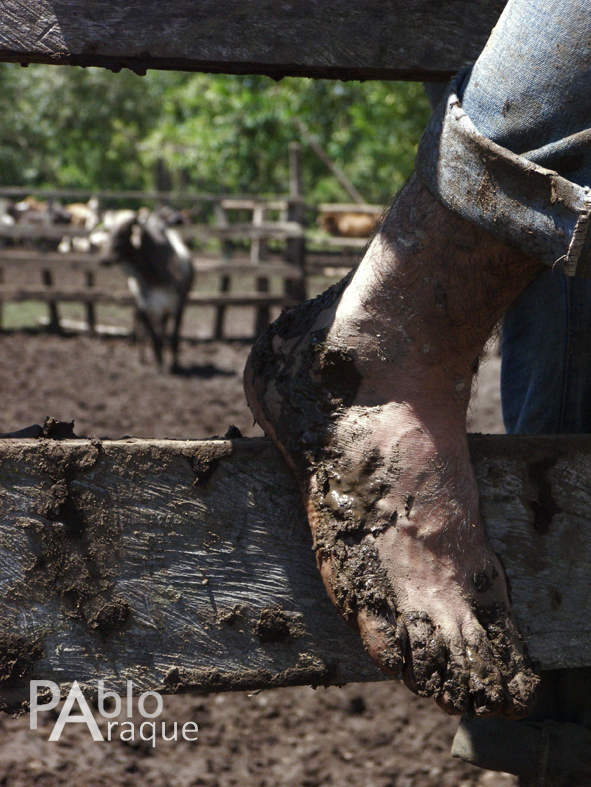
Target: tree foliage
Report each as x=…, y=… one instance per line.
x=89, y=128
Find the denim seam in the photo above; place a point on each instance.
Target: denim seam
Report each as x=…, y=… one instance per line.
x=567, y=356
x=575, y=249
x=527, y=206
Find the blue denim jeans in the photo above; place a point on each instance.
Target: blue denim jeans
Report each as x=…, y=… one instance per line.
x=509, y=148
x=546, y=357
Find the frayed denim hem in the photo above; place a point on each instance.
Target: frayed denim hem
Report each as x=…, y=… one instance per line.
x=528, y=207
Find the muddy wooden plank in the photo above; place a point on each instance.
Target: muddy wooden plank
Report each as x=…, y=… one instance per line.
x=344, y=39
x=188, y=564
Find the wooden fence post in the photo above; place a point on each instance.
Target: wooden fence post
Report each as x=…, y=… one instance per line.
x=296, y=247
x=221, y=218
x=258, y=252
x=90, y=312
x=54, y=318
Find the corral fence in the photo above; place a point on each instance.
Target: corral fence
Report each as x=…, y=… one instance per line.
x=254, y=251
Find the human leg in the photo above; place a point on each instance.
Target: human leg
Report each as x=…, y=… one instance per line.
x=365, y=392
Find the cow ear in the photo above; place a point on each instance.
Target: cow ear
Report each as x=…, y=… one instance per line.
x=136, y=236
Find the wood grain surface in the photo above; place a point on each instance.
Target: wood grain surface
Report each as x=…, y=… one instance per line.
x=343, y=39
x=188, y=565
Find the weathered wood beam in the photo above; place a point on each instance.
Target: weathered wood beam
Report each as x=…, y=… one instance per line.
x=339, y=39
x=188, y=564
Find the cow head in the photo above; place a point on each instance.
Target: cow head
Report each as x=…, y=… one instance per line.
x=123, y=238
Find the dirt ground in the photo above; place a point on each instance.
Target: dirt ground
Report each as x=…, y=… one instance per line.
x=373, y=735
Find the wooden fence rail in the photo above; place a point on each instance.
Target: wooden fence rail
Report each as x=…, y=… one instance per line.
x=125, y=298
x=260, y=264
x=158, y=197
x=275, y=230
x=274, y=222
x=188, y=564
x=342, y=39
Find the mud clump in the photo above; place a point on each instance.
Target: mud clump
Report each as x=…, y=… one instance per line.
x=110, y=616
x=52, y=429
x=73, y=549
x=306, y=672
x=272, y=625
x=232, y=617
x=205, y=461
x=481, y=581
x=58, y=430
x=339, y=375
x=18, y=656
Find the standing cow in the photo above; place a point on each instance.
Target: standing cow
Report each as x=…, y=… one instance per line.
x=159, y=270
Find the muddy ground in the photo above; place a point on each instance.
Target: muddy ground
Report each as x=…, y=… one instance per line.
x=374, y=735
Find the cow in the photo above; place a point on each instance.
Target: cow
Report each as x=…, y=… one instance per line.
x=348, y=224
x=33, y=212
x=85, y=215
x=159, y=274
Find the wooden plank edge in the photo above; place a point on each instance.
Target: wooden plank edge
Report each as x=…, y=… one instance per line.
x=277, y=71
x=534, y=502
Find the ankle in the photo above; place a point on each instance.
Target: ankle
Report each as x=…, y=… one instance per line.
x=466, y=277
x=432, y=282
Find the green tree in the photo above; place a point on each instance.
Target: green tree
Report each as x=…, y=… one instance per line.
x=93, y=129
x=232, y=133
x=76, y=127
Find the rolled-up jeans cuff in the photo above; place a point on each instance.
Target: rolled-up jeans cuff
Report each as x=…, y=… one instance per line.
x=528, y=207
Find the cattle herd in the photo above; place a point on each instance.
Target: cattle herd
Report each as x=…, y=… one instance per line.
x=147, y=246
x=151, y=252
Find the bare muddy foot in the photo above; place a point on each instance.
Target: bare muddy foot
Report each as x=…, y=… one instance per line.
x=365, y=391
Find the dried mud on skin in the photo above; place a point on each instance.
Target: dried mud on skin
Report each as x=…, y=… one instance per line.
x=309, y=383
x=372, y=735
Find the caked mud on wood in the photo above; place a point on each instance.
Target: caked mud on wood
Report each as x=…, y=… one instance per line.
x=188, y=565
